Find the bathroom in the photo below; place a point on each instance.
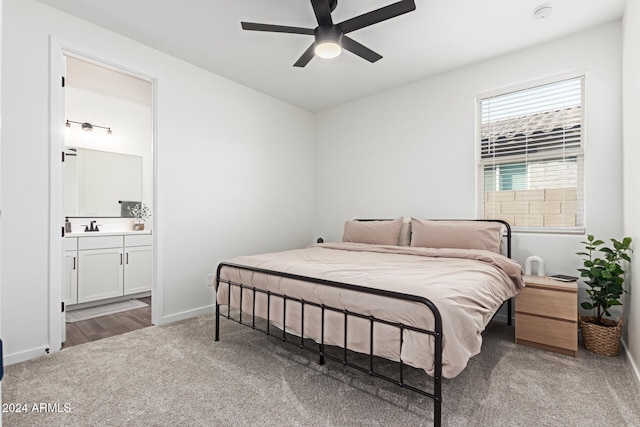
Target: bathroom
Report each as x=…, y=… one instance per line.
x=108, y=189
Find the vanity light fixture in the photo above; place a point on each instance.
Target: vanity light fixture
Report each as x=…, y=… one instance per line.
x=88, y=127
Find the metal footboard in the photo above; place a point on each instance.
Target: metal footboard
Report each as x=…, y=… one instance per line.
x=435, y=394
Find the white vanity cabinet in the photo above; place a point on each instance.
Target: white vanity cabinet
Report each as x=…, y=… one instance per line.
x=137, y=263
x=106, y=266
x=100, y=268
x=70, y=283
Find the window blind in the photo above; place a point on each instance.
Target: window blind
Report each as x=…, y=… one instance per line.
x=531, y=157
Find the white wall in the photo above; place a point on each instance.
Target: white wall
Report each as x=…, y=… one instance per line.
x=631, y=150
x=225, y=158
x=122, y=115
x=130, y=121
x=411, y=151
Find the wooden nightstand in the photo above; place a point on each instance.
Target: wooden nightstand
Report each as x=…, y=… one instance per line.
x=547, y=315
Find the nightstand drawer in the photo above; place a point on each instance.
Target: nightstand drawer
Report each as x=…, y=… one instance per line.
x=546, y=302
x=552, y=332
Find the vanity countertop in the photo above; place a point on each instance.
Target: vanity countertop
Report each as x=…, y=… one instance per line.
x=105, y=233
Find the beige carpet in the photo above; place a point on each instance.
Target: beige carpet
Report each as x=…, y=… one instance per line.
x=177, y=375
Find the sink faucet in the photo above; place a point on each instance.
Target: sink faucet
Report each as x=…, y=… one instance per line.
x=93, y=227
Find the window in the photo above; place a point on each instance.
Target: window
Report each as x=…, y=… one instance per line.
x=531, y=157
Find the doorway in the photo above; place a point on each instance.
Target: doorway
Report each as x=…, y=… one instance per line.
x=108, y=180
x=106, y=132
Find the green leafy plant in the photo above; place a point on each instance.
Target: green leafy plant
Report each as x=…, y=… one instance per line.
x=140, y=212
x=603, y=269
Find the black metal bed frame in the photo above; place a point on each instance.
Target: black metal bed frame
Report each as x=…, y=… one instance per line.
x=435, y=394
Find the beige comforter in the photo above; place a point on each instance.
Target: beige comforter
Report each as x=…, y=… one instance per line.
x=467, y=287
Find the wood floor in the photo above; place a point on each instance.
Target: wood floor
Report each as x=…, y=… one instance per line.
x=107, y=326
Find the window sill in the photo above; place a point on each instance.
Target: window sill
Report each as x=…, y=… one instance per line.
x=549, y=230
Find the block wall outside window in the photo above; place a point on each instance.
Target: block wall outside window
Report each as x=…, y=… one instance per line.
x=533, y=208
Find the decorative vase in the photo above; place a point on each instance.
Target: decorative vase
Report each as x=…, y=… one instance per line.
x=604, y=340
x=138, y=227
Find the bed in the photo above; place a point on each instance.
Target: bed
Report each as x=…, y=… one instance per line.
x=417, y=292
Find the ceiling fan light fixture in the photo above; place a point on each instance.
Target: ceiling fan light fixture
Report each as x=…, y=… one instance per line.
x=328, y=42
x=328, y=49
x=329, y=37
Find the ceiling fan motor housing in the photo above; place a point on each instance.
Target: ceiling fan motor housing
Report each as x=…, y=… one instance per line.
x=328, y=33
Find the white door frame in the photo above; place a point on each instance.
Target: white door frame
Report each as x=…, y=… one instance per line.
x=57, y=51
x=1, y=361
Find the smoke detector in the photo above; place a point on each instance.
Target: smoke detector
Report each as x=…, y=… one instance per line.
x=542, y=11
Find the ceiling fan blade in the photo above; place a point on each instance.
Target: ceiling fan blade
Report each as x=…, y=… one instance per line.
x=252, y=26
x=322, y=9
x=306, y=56
x=362, y=51
x=377, y=15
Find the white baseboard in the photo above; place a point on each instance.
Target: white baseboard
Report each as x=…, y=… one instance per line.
x=23, y=356
x=186, y=314
x=635, y=369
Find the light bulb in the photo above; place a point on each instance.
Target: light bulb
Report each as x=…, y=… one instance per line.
x=328, y=49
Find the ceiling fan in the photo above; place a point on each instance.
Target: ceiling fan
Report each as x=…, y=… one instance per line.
x=331, y=38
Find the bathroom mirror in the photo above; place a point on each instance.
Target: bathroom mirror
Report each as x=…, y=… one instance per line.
x=97, y=181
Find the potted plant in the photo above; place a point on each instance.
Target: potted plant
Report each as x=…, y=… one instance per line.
x=603, y=269
x=140, y=214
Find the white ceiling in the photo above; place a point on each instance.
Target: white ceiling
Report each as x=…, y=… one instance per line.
x=439, y=35
x=88, y=76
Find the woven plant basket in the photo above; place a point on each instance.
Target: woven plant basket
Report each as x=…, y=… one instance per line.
x=604, y=340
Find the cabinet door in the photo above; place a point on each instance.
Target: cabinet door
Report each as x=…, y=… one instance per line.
x=137, y=269
x=100, y=274
x=70, y=284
